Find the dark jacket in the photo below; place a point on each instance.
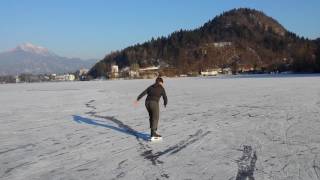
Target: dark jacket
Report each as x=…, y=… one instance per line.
x=154, y=92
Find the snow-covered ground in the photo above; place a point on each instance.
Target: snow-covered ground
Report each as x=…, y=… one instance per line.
x=91, y=130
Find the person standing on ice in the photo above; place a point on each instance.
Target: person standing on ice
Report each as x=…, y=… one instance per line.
x=154, y=92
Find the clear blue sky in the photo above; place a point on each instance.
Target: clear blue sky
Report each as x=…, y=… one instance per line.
x=93, y=28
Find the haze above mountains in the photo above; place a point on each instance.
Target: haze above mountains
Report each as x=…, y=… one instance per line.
x=33, y=59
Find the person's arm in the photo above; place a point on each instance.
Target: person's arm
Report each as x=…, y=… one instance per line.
x=164, y=96
x=142, y=94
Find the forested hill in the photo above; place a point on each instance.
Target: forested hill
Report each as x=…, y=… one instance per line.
x=240, y=38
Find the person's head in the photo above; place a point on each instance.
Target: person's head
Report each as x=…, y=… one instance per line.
x=159, y=80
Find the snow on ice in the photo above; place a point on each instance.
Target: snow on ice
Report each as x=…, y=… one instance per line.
x=213, y=128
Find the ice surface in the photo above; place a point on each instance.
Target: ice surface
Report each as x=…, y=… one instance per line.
x=212, y=128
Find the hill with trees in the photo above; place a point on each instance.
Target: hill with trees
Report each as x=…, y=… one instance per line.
x=241, y=39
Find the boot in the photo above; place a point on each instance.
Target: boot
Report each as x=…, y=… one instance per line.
x=155, y=134
x=152, y=133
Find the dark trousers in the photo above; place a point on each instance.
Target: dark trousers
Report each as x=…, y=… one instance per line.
x=153, y=110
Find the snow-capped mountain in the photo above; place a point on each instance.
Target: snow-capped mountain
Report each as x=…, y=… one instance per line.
x=29, y=58
x=28, y=47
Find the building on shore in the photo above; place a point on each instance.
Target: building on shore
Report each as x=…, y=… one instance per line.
x=222, y=44
x=209, y=72
x=82, y=73
x=245, y=69
x=136, y=72
x=64, y=77
x=17, y=79
x=226, y=71
x=149, y=72
x=114, y=71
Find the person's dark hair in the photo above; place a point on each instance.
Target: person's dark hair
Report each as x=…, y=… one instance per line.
x=159, y=80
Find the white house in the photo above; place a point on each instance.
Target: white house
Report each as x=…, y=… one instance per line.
x=222, y=44
x=134, y=74
x=59, y=78
x=149, y=72
x=210, y=72
x=151, y=68
x=83, y=71
x=17, y=79
x=227, y=71
x=65, y=77
x=115, y=71
x=70, y=77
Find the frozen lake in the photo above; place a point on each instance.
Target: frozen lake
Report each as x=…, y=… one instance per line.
x=213, y=128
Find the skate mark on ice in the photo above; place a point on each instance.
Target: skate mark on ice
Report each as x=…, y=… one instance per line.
x=190, y=140
x=88, y=104
x=16, y=167
x=316, y=167
x=254, y=107
x=120, y=163
x=84, y=164
x=165, y=175
x=246, y=164
x=121, y=175
x=251, y=115
x=119, y=170
x=79, y=170
x=19, y=147
x=153, y=157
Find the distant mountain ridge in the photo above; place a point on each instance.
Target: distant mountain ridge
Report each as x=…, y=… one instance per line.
x=28, y=47
x=240, y=39
x=29, y=58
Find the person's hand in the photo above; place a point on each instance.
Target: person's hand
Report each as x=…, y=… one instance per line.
x=135, y=103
